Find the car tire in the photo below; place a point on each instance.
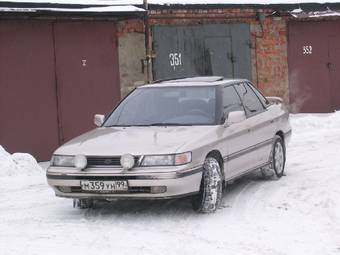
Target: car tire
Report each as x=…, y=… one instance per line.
x=211, y=189
x=278, y=160
x=83, y=203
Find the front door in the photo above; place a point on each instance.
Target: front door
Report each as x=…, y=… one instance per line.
x=236, y=137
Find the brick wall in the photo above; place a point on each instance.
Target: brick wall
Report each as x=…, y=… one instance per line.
x=269, y=56
x=268, y=41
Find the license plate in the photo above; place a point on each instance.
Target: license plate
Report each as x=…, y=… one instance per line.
x=104, y=186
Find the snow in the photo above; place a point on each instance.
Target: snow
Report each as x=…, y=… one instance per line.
x=296, y=11
x=301, y=14
x=169, y=2
x=82, y=2
x=17, y=164
x=125, y=8
x=262, y=2
x=298, y=214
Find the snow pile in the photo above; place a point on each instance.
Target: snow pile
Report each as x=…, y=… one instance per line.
x=17, y=164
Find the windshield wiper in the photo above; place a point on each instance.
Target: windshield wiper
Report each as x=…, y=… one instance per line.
x=153, y=124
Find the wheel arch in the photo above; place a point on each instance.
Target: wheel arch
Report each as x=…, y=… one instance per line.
x=217, y=155
x=281, y=134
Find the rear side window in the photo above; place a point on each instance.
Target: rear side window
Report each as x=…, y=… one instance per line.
x=259, y=95
x=250, y=101
x=231, y=101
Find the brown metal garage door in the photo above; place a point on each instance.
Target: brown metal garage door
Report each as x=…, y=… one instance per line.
x=314, y=66
x=53, y=78
x=87, y=73
x=28, y=111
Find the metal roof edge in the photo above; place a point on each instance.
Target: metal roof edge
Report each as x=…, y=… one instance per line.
x=283, y=7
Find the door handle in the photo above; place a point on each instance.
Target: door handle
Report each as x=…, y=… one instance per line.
x=330, y=66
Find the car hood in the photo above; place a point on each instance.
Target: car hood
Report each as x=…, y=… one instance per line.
x=133, y=140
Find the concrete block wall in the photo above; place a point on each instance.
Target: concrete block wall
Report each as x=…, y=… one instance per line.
x=131, y=51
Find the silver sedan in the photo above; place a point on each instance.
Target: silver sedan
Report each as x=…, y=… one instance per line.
x=185, y=137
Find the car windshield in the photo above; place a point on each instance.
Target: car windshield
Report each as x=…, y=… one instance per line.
x=161, y=106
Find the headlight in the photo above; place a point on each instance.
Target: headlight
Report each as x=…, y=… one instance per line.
x=78, y=161
x=58, y=160
x=167, y=160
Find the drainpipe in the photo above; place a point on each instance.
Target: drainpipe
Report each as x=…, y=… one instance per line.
x=148, y=42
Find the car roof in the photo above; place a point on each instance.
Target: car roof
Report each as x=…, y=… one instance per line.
x=195, y=81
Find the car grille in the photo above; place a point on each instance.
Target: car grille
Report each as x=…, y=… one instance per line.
x=95, y=161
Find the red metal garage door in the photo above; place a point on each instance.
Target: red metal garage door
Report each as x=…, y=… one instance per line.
x=334, y=67
x=87, y=73
x=314, y=66
x=40, y=62
x=28, y=111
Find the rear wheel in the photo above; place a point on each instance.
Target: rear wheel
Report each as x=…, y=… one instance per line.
x=210, y=195
x=278, y=158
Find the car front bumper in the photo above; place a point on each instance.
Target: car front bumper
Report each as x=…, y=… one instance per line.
x=150, y=184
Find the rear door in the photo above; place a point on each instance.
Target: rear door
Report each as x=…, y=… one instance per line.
x=87, y=71
x=260, y=127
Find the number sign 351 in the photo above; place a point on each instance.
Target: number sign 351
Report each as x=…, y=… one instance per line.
x=175, y=59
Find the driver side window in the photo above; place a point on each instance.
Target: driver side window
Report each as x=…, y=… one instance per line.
x=231, y=101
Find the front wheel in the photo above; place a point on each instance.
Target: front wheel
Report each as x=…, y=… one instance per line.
x=210, y=195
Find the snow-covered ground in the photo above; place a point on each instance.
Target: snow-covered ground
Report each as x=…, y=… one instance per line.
x=299, y=214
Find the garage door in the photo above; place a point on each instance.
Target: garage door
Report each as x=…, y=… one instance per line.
x=28, y=108
x=212, y=49
x=87, y=73
x=53, y=78
x=314, y=66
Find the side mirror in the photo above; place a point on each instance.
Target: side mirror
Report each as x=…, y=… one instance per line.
x=234, y=117
x=99, y=119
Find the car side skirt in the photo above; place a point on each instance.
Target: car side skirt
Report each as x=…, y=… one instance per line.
x=247, y=150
